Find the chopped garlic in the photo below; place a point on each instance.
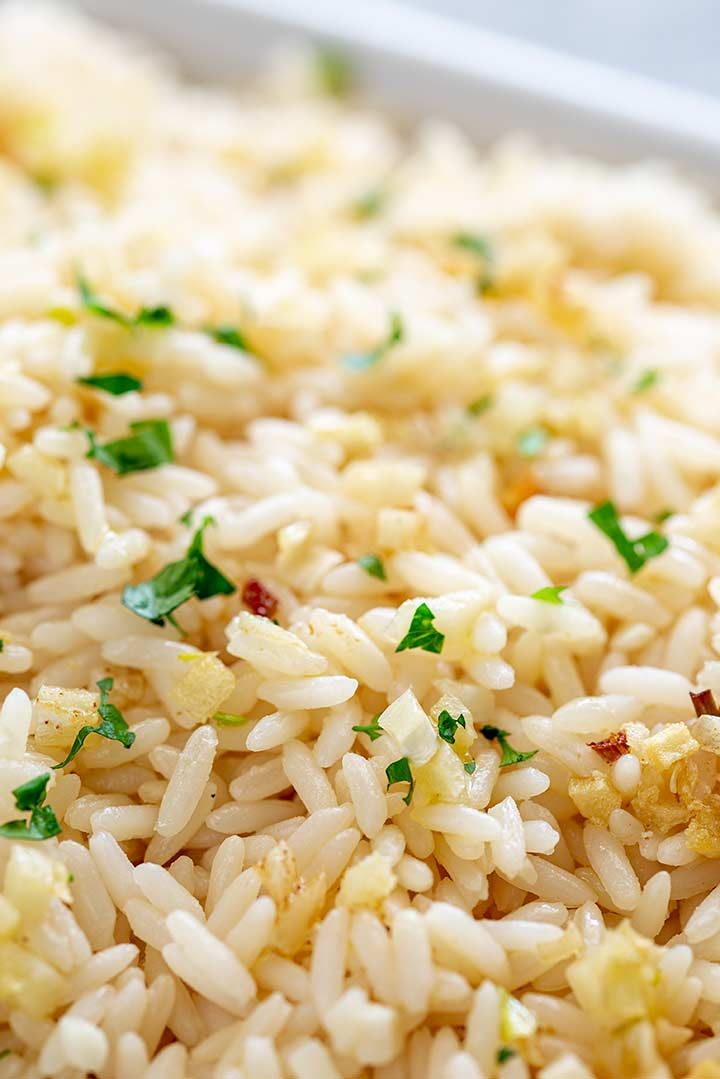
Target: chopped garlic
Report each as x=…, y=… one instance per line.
x=654, y=803
x=202, y=688
x=279, y=872
x=617, y=981
x=516, y=1021
x=367, y=883
x=670, y=745
x=299, y=913
x=706, y=729
x=58, y=714
x=464, y=736
x=406, y=722
x=703, y=832
x=442, y=779
x=32, y=879
x=595, y=796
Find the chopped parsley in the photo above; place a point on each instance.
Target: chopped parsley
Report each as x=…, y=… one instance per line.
x=373, y=729
x=532, y=442
x=551, y=594
x=373, y=566
x=422, y=633
x=228, y=335
x=229, y=719
x=480, y=405
x=509, y=755
x=663, y=516
x=400, y=772
x=333, y=71
x=5, y=1053
x=505, y=1053
x=470, y=767
x=186, y=517
x=635, y=553
x=149, y=446
x=481, y=247
x=111, y=726
x=371, y=203
x=447, y=725
x=43, y=824
x=360, y=361
x=178, y=582
x=152, y=317
x=117, y=384
x=2, y=645
x=645, y=381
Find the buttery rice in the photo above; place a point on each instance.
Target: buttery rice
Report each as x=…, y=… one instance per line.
x=251, y=898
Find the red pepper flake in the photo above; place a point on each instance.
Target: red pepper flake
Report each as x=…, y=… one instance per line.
x=259, y=599
x=704, y=703
x=613, y=747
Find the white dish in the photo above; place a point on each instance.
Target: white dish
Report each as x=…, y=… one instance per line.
x=418, y=63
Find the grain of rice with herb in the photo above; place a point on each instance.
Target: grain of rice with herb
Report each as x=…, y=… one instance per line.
x=359, y=588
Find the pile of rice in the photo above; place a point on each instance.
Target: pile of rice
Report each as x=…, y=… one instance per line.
x=394, y=381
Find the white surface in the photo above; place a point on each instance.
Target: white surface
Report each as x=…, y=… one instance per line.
x=673, y=40
x=419, y=63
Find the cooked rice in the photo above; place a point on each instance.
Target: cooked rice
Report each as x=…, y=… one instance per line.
x=386, y=812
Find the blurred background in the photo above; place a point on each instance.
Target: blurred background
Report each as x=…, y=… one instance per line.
x=677, y=41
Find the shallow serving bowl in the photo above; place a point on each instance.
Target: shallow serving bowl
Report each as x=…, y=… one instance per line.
x=417, y=64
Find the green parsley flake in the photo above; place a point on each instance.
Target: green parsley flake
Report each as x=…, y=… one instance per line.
x=635, y=553
x=178, y=582
x=504, y=1053
x=481, y=247
x=333, y=71
x=228, y=335
x=532, y=442
x=160, y=316
x=117, y=384
x=43, y=824
x=551, y=594
x=361, y=361
x=373, y=729
x=663, y=516
x=645, y=381
x=229, y=719
x=2, y=645
x=5, y=1053
x=149, y=446
x=509, y=755
x=151, y=317
x=111, y=726
x=480, y=405
x=470, y=767
x=371, y=203
x=373, y=566
x=186, y=518
x=422, y=633
x=400, y=772
x=447, y=725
